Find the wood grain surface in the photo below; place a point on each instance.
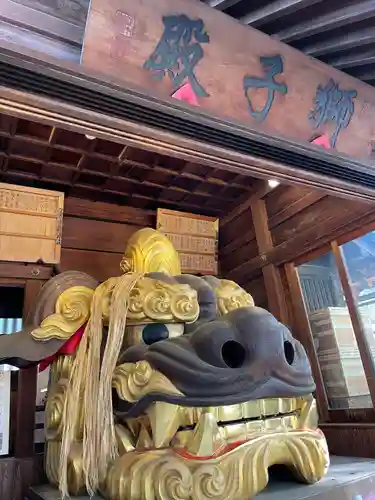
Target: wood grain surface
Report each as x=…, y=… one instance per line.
x=121, y=35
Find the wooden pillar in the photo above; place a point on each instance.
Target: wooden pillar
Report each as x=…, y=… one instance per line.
x=271, y=274
x=27, y=385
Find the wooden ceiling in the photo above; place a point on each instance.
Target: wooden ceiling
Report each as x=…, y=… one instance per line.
x=82, y=167
x=340, y=33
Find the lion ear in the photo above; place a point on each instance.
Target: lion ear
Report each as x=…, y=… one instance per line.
x=45, y=302
x=21, y=350
x=49, y=325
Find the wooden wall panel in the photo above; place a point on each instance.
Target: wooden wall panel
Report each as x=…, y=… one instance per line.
x=100, y=265
x=356, y=440
x=16, y=475
x=237, y=240
x=243, y=253
x=95, y=235
x=86, y=209
x=238, y=228
x=257, y=289
x=283, y=196
x=85, y=234
x=300, y=220
x=296, y=232
x=316, y=214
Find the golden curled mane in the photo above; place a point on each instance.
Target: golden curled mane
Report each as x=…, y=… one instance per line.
x=149, y=251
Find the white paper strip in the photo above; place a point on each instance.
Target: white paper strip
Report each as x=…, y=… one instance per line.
x=4, y=411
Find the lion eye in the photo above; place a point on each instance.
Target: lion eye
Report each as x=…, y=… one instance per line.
x=153, y=332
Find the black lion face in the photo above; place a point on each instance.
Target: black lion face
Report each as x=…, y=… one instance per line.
x=243, y=355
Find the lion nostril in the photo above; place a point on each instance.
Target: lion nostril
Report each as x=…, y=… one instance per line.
x=233, y=353
x=289, y=352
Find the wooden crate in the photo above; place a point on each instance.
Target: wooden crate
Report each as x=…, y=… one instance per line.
x=195, y=237
x=30, y=224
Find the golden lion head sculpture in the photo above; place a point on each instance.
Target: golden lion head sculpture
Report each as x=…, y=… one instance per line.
x=167, y=386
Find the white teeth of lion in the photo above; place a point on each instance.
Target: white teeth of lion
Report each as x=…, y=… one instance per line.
x=165, y=421
x=134, y=426
x=206, y=439
x=124, y=438
x=144, y=439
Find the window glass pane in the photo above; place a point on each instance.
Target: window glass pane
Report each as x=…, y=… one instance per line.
x=11, y=312
x=11, y=308
x=333, y=334
x=359, y=257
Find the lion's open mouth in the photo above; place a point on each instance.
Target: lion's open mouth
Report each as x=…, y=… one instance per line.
x=204, y=432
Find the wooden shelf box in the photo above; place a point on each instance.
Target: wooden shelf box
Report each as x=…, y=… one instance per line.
x=30, y=224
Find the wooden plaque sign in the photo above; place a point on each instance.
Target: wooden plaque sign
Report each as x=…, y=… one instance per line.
x=188, y=51
x=195, y=237
x=30, y=224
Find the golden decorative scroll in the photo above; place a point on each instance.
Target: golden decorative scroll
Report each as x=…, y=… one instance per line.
x=54, y=412
x=237, y=475
x=152, y=300
x=132, y=381
x=231, y=296
x=71, y=312
x=75, y=466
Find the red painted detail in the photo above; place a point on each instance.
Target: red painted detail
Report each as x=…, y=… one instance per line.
x=182, y=452
x=323, y=141
x=186, y=94
x=69, y=347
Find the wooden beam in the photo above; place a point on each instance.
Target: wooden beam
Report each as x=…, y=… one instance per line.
x=360, y=334
x=313, y=238
x=86, y=209
x=357, y=230
x=222, y=4
x=344, y=42
x=303, y=333
x=367, y=76
x=43, y=110
x=275, y=10
x=353, y=60
x=261, y=188
x=271, y=274
x=25, y=271
x=342, y=17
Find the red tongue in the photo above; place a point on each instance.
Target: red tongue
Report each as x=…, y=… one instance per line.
x=69, y=347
